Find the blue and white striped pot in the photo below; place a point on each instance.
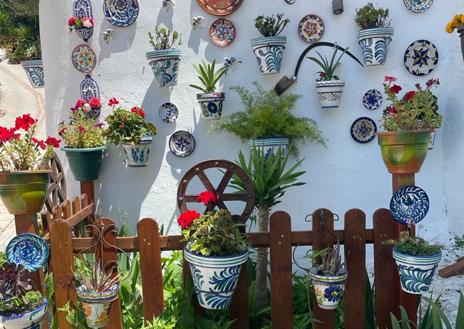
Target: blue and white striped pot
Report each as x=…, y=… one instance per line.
x=211, y=105
x=416, y=272
x=269, y=52
x=35, y=72
x=139, y=154
x=29, y=320
x=374, y=44
x=329, y=290
x=165, y=66
x=330, y=93
x=215, y=278
x=270, y=145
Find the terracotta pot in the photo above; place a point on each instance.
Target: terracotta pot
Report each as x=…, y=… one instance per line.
x=404, y=152
x=24, y=192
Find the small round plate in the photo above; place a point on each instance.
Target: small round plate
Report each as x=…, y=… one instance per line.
x=168, y=112
x=29, y=250
x=421, y=57
x=418, y=6
x=311, y=28
x=363, y=130
x=222, y=32
x=409, y=205
x=372, y=99
x=182, y=143
x=84, y=59
x=121, y=13
x=220, y=7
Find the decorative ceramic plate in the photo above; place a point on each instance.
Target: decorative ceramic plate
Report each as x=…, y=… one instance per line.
x=421, y=57
x=89, y=88
x=84, y=59
x=182, y=143
x=81, y=9
x=409, y=205
x=418, y=6
x=220, y=7
x=29, y=250
x=168, y=112
x=363, y=130
x=311, y=28
x=372, y=99
x=121, y=13
x=222, y=32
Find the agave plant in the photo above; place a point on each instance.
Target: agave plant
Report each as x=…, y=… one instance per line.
x=332, y=261
x=209, y=76
x=328, y=68
x=93, y=276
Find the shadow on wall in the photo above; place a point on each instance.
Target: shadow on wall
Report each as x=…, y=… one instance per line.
x=115, y=46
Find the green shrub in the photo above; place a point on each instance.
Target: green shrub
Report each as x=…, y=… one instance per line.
x=369, y=17
x=416, y=246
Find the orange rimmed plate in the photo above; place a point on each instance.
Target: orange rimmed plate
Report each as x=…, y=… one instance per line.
x=220, y=7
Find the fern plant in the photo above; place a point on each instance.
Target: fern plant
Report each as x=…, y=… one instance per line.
x=328, y=68
x=209, y=76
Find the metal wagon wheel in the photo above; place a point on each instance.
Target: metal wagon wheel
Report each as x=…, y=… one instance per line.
x=56, y=192
x=229, y=169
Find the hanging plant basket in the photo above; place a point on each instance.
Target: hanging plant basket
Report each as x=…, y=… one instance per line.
x=375, y=44
x=269, y=52
x=97, y=305
x=211, y=105
x=86, y=163
x=165, y=66
x=329, y=290
x=29, y=320
x=139, y=154
x=330, y=92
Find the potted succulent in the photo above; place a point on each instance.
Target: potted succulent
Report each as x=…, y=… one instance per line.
x=129, y=129
x=329, y=278
x=269, y=49
x=216, y=249
x=328, y=85
x=375, y=33
x=84, y=144
x=457, y=23
x=268, y=122
x=23, y=159
x=82, y=25
x=20, y=306
x=409, y=122
x=165, y=58
x=210, y=100
x=416, y=260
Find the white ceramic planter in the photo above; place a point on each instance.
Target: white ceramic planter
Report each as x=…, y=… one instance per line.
x=211, y=105
x=269, y=52
x=374, y=44
x=96, y=305
x=329, y=290
x=165, y=66
x=138, y=155
x=270, y=145
x=330, y=93
x=35, y=72
x=29, y=320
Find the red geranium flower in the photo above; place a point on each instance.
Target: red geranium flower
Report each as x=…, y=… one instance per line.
x=389, y=79
x=395, y=89
x=81, y=129
x=24, y=122
x=113, y=101
x=95, y=103
x=52, y=141
x=186, y=218
x=7, y=134
x=391, y=110
x=40, y=143
x=409, y=95
x=138, y=110
x=207, y=197
x=72, y=21
x=79, y=103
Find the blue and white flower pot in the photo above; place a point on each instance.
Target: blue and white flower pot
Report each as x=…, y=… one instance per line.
x=269, y=52
x=35, y=72
x=29, y=320
x=416, y=272
x=97, y=305
x=215, y=278
x=374, y=44
x=138, y=155
x=330, y=93
x=211, y=105
x=329, y=290
x=270, y=145
x=165, y=66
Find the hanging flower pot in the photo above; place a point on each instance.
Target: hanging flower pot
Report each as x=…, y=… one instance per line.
x=330, y=93
x=85, y=163
x=35, y=72
x=138, y=155
x=329, y=290
x=375, y=43
x=270, y=145
x=416, y=272
x=211, y=105
x=24, y=192
x=97, y=305
x=165, y=66
x=28, y=320
x=269, y=52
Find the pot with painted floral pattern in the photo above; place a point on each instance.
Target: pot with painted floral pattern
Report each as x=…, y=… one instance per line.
x=329, y=289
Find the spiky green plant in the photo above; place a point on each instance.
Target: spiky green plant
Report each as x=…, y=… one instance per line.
x=209, y=76
x=328, y=68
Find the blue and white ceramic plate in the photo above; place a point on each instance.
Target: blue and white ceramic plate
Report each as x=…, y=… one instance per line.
x=363, y=130
x=84, y=59
x=409, y=205
x=418, y=6
x=372, y=99
x=421, y=57
x=121, y=13
x=168, y=112
x=182, y=143
x=29, y=250
x=89, y=88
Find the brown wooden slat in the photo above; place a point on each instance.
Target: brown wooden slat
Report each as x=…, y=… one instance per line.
x=239, y=306
x=66, y=209
x=88, y=189
x=355, y=258
x=451, y=270
x=80, y=216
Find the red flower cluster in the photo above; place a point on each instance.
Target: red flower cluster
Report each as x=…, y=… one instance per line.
x=138, y=110
x=186, y=218
x=53, y=142
x=7, y=134
x=391, y=110
x=72, y=21
x=79, y=103
x=389, y=79
x=207, y=197
x=409, y=95
x=95, y=103
x=113, y=101
x=395, y=89
x=24, y=122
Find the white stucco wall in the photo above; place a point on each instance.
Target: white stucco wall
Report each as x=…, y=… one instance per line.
x=343, y=176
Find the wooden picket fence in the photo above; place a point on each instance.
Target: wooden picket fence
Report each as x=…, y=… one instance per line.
x=280, y=240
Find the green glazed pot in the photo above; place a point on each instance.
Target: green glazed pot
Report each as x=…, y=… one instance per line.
x=85, y=164
x=24, y=192
x=404, y=152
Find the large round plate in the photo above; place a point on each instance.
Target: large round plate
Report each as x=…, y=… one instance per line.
x=363, y=130
x=29, y=250
x=418, y=6
x=372, y=99
x=222, y=32
x=84, y=59
x=121, y=13
x=220, y=7
x=311, y=28
x=182, y=143
x=168, y=112
x=421, y=57
x=409, y=205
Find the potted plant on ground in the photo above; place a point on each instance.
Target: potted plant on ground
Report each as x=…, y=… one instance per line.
x=83, y=26
x=84, y=144
x=268, y=121
x=329, y=278
x=165, y=58
x=328, y=85
x=416, y=260
x=409, y=122
x=269, y=49
x=457, y=23
x=129, y=129
x=210, y=100
x=375, y=33
x=23, y=159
